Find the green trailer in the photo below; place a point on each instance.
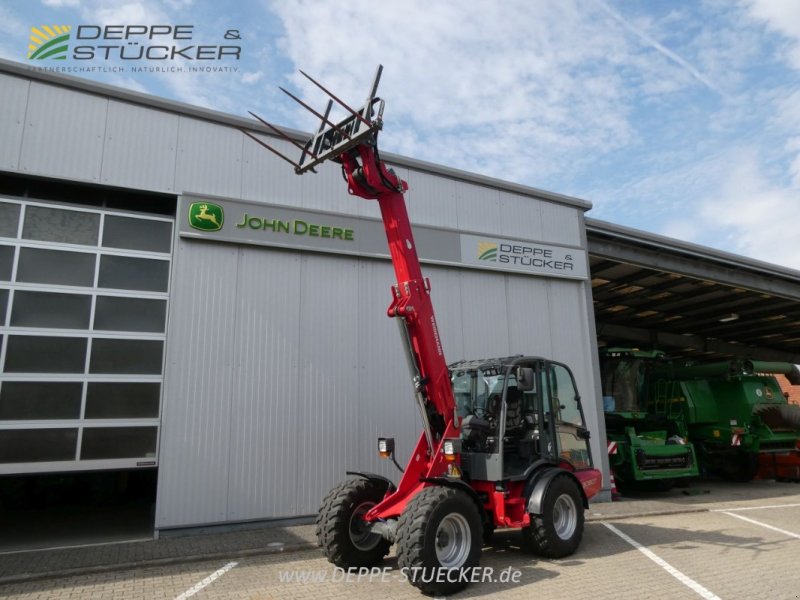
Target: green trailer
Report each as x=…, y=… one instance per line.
x=735, y=412
x=647, y=449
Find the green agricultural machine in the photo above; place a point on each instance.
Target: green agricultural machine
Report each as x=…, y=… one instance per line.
x=647, y=449
x=736, y=414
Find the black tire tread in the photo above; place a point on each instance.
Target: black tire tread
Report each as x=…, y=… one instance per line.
x=332, y=525
x=411, y=528
x=537, y=538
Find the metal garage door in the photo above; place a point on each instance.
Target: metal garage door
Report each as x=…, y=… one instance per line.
x=83, y=308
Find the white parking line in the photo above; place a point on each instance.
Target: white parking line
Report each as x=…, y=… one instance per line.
x=754, y=507
x=207, y=581
x=684, y=579
x=754, y=522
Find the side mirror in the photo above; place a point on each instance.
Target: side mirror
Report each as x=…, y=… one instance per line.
x=525, y=380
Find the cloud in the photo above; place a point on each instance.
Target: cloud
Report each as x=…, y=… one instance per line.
x=782, y=16
x=13, y=30
x=756, y=214
x=103, y=12
x=653, y=43
x=60, y=3
x=10, y=24
x=252, y=77
x=736, y=207
x=516, y=89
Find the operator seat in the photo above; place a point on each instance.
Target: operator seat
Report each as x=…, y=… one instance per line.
x=513, y=409
x=514, y=461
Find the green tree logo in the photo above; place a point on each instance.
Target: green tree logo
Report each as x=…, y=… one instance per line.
x=49, y=41
x=206, y=216
x=487, y=251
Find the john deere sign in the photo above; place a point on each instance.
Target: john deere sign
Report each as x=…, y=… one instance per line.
x=261, y=224
x=296, y=227
x=206, y=216
x=237, y=221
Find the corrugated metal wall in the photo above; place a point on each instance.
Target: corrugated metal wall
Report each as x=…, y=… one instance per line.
x=282, y=368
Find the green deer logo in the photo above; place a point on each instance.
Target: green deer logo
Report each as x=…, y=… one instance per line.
x=206, y=216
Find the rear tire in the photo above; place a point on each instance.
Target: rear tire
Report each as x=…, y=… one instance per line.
x=740, y=468
x=342, y=534
x=439, y=539
x=558, y=531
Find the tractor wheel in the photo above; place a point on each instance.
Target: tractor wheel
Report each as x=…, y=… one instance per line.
x=557, y=532
x=439, y=539
x=342, y=533
x=741, y=468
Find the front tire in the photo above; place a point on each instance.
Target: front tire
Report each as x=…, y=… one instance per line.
x=558, y=531
x=341, y=531
x=439, y=539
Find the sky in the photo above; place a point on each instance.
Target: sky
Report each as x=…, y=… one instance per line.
x=680, y=118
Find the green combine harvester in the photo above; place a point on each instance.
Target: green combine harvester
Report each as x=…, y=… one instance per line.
x=737, y=416
x=648, y=449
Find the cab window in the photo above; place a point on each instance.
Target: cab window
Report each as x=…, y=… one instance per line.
x=569, y=420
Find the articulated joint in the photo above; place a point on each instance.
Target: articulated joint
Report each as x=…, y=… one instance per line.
x=367, y=176
x=401, y=308
x=406, y=304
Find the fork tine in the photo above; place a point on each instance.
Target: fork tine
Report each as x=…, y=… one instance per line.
x=270, y=148
x=320, y=86
x=283, y=135
x=307, y=107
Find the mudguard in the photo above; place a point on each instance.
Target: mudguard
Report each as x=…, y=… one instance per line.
x=379, y=479
x=536, y=487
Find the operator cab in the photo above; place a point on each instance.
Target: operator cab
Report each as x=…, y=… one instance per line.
x=624, y=374
x=516, y=413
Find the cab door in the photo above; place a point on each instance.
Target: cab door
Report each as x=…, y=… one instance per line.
x=566, y=414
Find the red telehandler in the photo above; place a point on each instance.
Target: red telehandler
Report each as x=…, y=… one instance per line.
x=504, y=442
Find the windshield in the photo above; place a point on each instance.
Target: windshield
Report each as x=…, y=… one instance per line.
x=474, y=389
x=623, y=381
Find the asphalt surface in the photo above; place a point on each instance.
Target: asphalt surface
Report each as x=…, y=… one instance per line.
x=712, y=540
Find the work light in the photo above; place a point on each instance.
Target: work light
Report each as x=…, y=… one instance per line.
x=450, y=448
x=385, y=447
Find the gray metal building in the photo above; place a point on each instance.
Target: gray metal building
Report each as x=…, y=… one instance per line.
x=251, y=363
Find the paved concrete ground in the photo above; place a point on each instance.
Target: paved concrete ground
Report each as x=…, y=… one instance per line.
x=698, y=535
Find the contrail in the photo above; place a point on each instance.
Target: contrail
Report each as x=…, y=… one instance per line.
x=661, y=48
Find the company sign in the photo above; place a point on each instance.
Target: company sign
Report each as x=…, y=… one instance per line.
x=524, y=256
x=256, y=223
x=223, y=220
x=142, y=43
x=296, y=227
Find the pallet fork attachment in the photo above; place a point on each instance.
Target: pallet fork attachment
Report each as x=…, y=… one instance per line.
x=332, y=139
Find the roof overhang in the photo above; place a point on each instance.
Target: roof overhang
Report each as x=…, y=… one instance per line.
x=690, y=300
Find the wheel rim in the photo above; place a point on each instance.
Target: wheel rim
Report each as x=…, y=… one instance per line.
x=453, y=541
x=565, y=516
x=360, y=534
